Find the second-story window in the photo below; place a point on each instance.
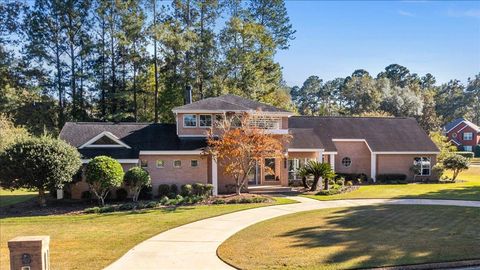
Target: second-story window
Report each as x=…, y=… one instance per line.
x=189, y=120
x=205, y=120
x=467, y=136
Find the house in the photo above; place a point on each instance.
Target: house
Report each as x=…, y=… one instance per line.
x=463, y=134
x=173, y=153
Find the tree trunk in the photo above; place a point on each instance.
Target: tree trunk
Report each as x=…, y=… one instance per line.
x=327, y=187
x=304, y=181
x=315, y=183
x=155, y=60
x=41, y=197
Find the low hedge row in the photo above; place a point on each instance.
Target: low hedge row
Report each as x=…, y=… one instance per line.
x=240, y=200
x=196, y=189
x=391, y=178
x=354, y=177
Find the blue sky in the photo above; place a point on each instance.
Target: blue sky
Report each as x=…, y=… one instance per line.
x=335, y=38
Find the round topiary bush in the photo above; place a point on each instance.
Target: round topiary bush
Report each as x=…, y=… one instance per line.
x=135, y=179
x=102, y=174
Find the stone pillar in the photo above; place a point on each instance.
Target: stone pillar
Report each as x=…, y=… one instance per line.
x=29, y=253
x=373, y=166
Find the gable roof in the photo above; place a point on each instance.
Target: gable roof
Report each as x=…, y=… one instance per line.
x=304, y=138
x=139, y=136
x=381, y=134
x=228, y=103
x=448, y=127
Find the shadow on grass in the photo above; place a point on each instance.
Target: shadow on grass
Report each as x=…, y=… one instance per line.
x=9, y=200
x=459, y=193
x=392, y=235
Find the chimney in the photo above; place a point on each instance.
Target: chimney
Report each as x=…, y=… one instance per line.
x=188, y=95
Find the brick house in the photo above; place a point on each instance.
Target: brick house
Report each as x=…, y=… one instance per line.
x=463, y=134
x=173, y=153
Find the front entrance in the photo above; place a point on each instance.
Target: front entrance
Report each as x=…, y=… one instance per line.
x=254, y=176
x=269, y=172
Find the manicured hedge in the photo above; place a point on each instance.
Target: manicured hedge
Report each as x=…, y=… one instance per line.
x=354, y=177
x=388, y=178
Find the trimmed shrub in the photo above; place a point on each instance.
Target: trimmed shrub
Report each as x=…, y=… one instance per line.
x=391, y=178
x=164, y=200
x=349, y=183
x=354, y=177
x=186, y=190
x=340, y=181
x=38, y=163
x=197, y=189
x=102, y=174
x=207, y=190
x=219, y=201
x=135, y=179
x=146, y=193
x=465, y=154
x=107, y=209
x=163, y=190
x=92, y=210
x=121, y=194
x=179, y=197
x=126, y=206
x=151, y=204
x=174, y=189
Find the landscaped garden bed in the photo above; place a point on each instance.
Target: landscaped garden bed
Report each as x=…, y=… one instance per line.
x=358, y=237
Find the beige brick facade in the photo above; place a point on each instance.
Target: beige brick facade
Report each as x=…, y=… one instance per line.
x=359, y=154
x=186, y=174
x=401, y=164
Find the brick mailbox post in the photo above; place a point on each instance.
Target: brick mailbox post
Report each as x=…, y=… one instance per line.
x=29, y=253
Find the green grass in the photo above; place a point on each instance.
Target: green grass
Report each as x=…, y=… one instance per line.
x=357, y=237
x=8, y=197
x=95, y=240
x=467, y=189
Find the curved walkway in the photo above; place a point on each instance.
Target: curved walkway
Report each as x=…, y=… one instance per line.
x=194, y=245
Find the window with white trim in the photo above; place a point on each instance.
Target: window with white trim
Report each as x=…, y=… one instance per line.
x=160, y=163
x=144, y=163
x=467, y=136
x=424, y=164
x=294, y=165
x=177, y=163
x=189, y=120
x=454, y=135
x=467, y=148
x=193, y=163
x=205, y=120
x=346, y=161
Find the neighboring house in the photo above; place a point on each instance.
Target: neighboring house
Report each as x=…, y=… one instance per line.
x=173, y=153
x=463, y=133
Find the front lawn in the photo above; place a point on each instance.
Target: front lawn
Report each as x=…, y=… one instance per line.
x=8, y=197
x=467, y=188
x=95, y=240
x=359, y=237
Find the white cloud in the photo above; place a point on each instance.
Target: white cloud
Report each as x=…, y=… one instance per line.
x=405, y=13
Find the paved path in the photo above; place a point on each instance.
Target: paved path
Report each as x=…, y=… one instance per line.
x=194, y=245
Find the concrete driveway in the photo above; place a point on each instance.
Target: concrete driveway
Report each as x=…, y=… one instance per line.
x=194, y=245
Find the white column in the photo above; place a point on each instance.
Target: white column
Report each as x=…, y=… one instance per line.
x=373, y=167
x=320, y=156
x=332, y=161
x=214, y=176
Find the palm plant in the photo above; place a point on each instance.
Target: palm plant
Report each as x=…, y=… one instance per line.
x=319, y=170
x=303, y=173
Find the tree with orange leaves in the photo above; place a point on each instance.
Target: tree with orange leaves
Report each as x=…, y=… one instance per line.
x=238, y=144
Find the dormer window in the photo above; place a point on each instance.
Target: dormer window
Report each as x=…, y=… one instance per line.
x=205, y=120
x=189, y=120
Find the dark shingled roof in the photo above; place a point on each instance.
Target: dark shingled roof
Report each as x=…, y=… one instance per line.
x=304, y=138
x=382, y=134
x=139, y=136
x=457, y=121
x=229, y=103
